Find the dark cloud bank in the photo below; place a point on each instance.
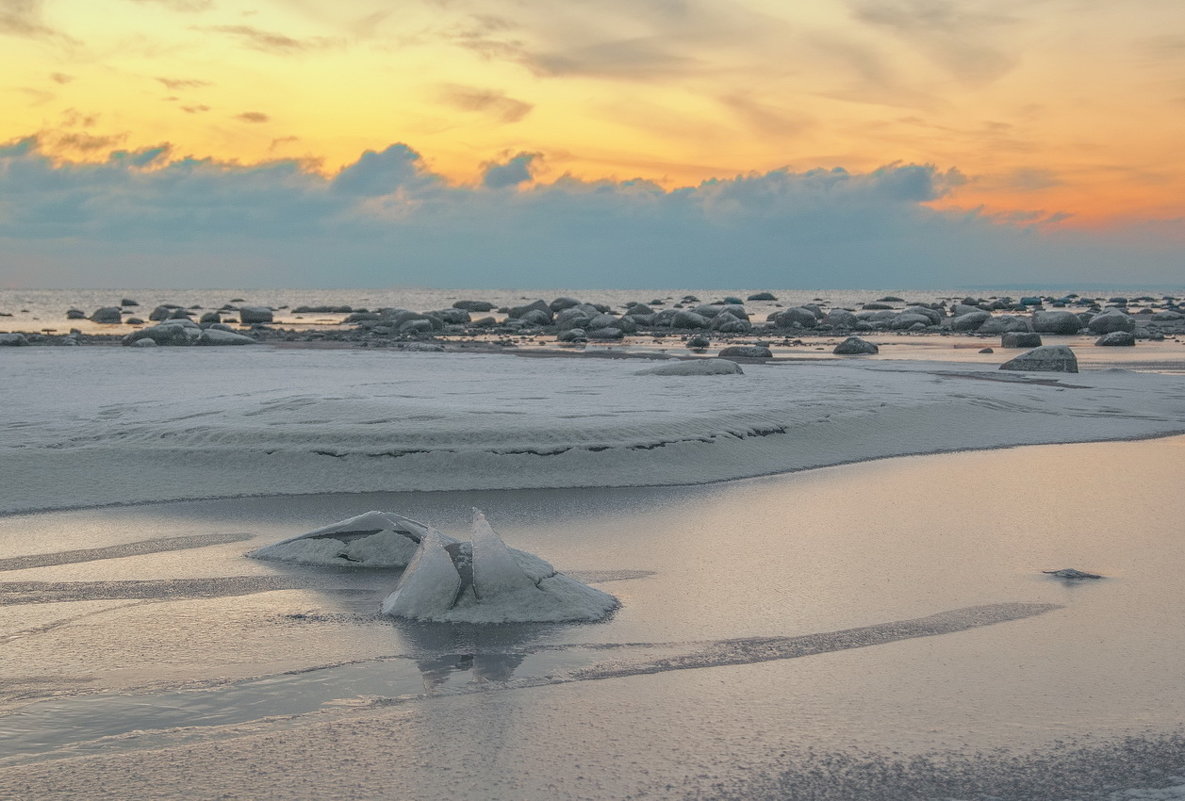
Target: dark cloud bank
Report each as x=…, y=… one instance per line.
x=144, y=219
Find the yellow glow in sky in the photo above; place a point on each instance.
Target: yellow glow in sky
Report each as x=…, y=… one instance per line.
x=1068, y=106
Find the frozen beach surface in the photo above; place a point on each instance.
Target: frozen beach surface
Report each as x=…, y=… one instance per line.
x=130, y=425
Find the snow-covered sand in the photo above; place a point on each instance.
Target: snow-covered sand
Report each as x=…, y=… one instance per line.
x=100, y=426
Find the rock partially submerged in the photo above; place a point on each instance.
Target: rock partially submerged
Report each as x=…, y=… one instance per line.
x=694, y=367
x=373, y=539
x=1047, y=358
x=483, y=581
x=853, y=346
x=1071, y=573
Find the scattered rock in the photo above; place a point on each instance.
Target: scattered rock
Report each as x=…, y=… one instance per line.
x=1122, y=339
x=474, y=305
x=987, y=350
x=971, y=321
x=1020, y=339
x=215, y=336
x=13, y=340
x=1047, y=358
x=853, y=346
x=128, y=302
x=1111, y=320
x=698, y=342
x=746, y=352
x=75, y=314
x=762, y=296
x=108, y=315
x=689, y=319
x=249, y=315
x=1056, y=322
x=1004, y=324
x=1071, y=573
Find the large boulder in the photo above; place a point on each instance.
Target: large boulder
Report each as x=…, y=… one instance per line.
x=905, y=321
x=170, y=332
x=453, y=316
x=726, y=323
x=840, y=318
x=694, y=367
x=109, y=315
x=216, y=336
x=519, y=311
x=762, y=296
x=689, y=319
x=574, y=317
x=746, y=352
x=536, y=317
x=1121, y=339
x=250, y=315
x=1020, y=339
x=1056, y=322
x=1111, y=320
x=561, y=303
x=971, y=321
x=1003, y=324
x=474, y=305
x=853, y=346
x=934, y=316
x=1047, y=358
x=796, y=317
x=12, y=340
x=606, y=333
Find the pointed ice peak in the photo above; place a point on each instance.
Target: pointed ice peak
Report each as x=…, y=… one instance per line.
x=495, y=571
x=431, y=581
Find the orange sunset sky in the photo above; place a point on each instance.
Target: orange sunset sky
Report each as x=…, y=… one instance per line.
x=1067, y=113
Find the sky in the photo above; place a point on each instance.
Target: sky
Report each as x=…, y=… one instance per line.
x=649, y=143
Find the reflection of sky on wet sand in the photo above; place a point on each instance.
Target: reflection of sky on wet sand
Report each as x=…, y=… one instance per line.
x=202, y=645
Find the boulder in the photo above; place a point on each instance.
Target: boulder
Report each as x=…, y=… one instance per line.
x=746, y=352
x=473, y=305
x=840, y=318
x=1056, y=322
x=762, y=296
x=161, y=313
x=519, y=311
x=688, y=319
x=573, y=317
x=934, y=316
x=606, y=333
x=216, y=336
x=1120, y=339
x=1003, y=324
x=970, y=321
x=109, y=315
x=698, y=342
x=75, y=314
x=855, y=345
x=249, y=315
x=1047, y=358
x=571, y=335
x=906, y=321
x=796, y=317
x=144, y=343
x=362, y=317
x=13, y=340
x=452, y=316
x=536, y=317
x=561, y=303
x=1111, y=320
x=694, y=367
x=128, y=302
x=1020, y=339
x=170, y=332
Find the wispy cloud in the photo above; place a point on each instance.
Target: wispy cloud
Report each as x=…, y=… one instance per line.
x=198, y=109
x=60, y=77
x=188, y=6
x=173, y=84
x=491, y=102
x=270, y=42
x=253, y=117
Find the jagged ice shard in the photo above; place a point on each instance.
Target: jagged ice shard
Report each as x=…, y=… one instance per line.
x=373, y=539
x=483, y=581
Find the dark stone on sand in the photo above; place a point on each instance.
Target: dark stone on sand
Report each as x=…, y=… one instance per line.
x=745, y=352
x=853, y=346
x=1071, y=573
x=474, y=305
x=1003, y=324
x=563, y=302
x=698, y=342
x=75, y=314
x=361, y=317
x=1056, y=322
x=688, y=319
x=1120, y=339
x=211, y=317
x=971, y=321
x=762, y=296
x=571, y=335
x=519, y=311
x=1047, y=358
x=1111, y=320
x=128, y=302
x=606, y=333
x=248, y=315
x=13, y=340
x=1020, y=339
x=889, y=299
x=107, y=315
x=796, y=317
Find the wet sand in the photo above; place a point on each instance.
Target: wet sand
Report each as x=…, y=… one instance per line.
x=877, y=630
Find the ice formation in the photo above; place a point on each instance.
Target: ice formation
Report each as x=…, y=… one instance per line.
x=373, y=539
x=483, y=581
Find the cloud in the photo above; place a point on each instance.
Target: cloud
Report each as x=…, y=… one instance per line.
x=187, y=6
x=388, y=219
x=513, y=172
x=269, y=42
x=491, y=102
x=174, y=84
x=22, y=18
x=60, y=77
x=198, y=109
x=253, y=116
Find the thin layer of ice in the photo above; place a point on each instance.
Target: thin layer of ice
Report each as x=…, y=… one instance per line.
x=78, y=429
x=371, y=539
x=431, y=582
